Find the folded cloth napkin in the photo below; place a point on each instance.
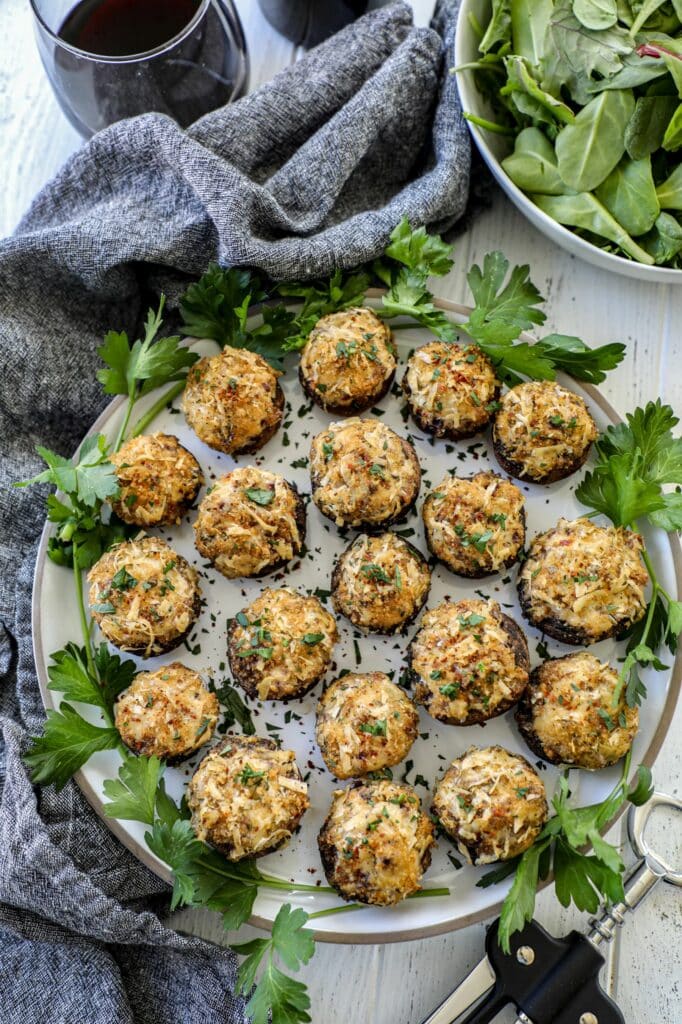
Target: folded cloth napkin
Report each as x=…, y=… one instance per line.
x=310, y=173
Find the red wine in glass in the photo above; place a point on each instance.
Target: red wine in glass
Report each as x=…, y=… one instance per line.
x=110, y=59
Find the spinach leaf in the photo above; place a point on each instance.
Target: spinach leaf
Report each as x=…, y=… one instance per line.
x=664, y=241
x=590, y=148
x=596, y=14
x=647, y=126
x=586, y=212
x=573, y=53
x=672, y=140
x=529, y=98
x=529, y=19
x=629, y=195
x=532, y=166
x=647, y=9
x=669, y=192
x=499, y=27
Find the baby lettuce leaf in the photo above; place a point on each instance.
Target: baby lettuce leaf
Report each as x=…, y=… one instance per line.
x=499, y=27
x=588, y=150
x=596, y=14
x=529, y=98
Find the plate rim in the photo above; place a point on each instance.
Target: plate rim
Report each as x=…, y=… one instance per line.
x=141, y=852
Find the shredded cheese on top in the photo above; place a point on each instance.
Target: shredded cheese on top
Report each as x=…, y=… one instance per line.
x=158, y=479
x=453, y=385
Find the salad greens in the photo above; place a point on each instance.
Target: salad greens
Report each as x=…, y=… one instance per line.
x=590, y=91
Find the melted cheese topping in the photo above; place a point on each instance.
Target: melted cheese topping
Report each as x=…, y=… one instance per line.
x=144, y=596
x=247, y=797
x=232, y=400
x=380, y=582
x=168, y=713
x=492, y=803
x=363, y=473
x=348, y=359
x=292, y=638
x=588, y=577
x=544, y=428
x=572, y=715
x=467, y=667
x=364, y=723
x=450, y=388
x=158, y=478
x=243, y=535
x=475, y=525
x=376, y=842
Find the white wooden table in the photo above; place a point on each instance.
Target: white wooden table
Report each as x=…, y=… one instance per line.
x=400, y=983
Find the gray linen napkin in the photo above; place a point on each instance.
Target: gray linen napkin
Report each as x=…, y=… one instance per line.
x=310, y=173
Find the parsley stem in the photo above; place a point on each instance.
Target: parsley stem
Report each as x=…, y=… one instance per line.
x=278, y=883
x=158, y=407
x=126, y=419
x=85, y=628
x=424, y=894
x=338, y=910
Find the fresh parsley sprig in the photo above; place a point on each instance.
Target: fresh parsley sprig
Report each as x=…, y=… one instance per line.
x=507, y=305
x=580, y=877
x=636, y=459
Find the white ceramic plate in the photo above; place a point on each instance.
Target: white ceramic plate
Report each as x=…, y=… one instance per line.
x=55, y=621
x=494, y=148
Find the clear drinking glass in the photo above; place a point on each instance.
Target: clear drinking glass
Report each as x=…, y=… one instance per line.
x=203, y=66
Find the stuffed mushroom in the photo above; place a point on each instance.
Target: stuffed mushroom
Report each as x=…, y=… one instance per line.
x=144, y=596
x=247, y=797
x=158, y=480
x=168, y=713
x=451, y=390
x=250, y=523
x=363, y=474
x=376, y=842
x=233, y=401
x=581, y=583
x=469, y=661
x=365, y=723
x=281, y=645
x=475, y=525
x=380, y=583
x=348, y=362
x=542, y=432
x=567, y=715
x=492, y=803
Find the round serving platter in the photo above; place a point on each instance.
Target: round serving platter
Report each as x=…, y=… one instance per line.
x=55, y=621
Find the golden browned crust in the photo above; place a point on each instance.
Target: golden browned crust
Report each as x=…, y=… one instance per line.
x=492, y=803
x=469, y=661
x=380, y=583
x=581, y=583
x=144, y=596
x=365, y=723
x=363, y=474
x=542, y=432
x=451, y=390
x=233, y=401
x=247, y=797
x=475, y=525
x=375, y=843
x=281, y=645
x=348, y=362
x=158, y=479
x=243, y=531
x=567, y=714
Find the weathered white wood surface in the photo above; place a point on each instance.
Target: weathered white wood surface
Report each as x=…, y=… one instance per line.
x=401, y=983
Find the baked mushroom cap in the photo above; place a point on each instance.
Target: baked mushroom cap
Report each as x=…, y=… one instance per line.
x=158, y=479
x=566, y=715
x=492, y=803
x=365, y=723
x=475, y=525
x=542, y=432
x=363, y=474
x=375, y=843
x=233, y=401
x=144, y=596
x=168, y=713
x=281, y=644
x=348, y=362
x=250, y=523
x=469, y=660
x=582, y=583
x=380, y=583
x=451, y=390
x=247, y=797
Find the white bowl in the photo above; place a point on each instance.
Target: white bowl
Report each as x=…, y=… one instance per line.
x=494, y=148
